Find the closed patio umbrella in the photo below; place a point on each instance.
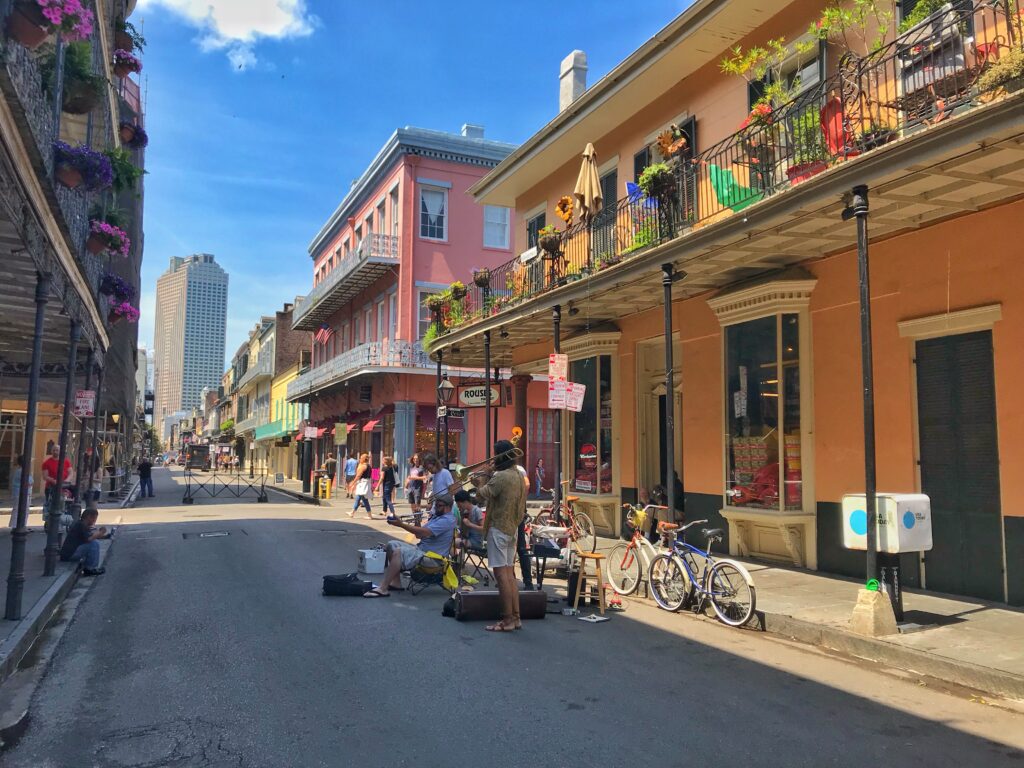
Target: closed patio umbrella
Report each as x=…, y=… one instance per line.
x=588, y=186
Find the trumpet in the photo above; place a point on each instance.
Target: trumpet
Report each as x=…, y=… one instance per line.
x=463, y=474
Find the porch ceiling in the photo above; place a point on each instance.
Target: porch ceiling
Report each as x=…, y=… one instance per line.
x=950, y=169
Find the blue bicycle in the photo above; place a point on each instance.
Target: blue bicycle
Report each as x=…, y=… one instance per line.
x=677, y=578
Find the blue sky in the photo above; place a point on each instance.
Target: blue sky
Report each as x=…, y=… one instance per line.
x=261, y=112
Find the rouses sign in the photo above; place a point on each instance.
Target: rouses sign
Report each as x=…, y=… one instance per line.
x=475, y=396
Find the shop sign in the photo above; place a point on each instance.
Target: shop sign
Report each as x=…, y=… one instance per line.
x=556, y=393
x=311, y=433
x=588, y=456
x=558, y=366
x=574, y=394
x=85, y=403
x=475, y=396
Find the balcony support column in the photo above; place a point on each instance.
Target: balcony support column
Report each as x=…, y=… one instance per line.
x=556, y=487
x=55, y=508
x=487, y=399
x=437, y=404
x=16, y=577
x=405, y=434
x=667, y=278
x=94, y=464
x=75, y=510
x=520, y=384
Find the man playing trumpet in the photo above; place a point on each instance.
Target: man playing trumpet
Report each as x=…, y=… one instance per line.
x=505, y=495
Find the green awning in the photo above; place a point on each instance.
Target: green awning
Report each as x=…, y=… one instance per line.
x=273, y=430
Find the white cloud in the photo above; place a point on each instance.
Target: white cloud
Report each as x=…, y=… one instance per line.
x=236, y=26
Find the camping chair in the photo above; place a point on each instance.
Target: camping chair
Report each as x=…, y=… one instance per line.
x=473, y=562
x=434, y=570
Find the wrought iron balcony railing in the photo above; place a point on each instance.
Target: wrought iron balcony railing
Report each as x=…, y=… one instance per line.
x=373, y=257
x=375, y=354
x=928, y=74
x=264, y=368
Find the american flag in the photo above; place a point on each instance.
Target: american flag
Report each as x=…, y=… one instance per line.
x=323, y=335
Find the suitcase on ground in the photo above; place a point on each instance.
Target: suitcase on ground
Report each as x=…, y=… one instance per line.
x=485, y=605
x=346, y=585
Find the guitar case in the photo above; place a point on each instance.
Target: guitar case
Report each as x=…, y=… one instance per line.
x=485, y=605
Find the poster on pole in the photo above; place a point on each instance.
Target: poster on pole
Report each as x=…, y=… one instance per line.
x=85, y=403
x=574, y=394
x=556, y=393
x=340, y=433
x=311, y=433
x=558, y=366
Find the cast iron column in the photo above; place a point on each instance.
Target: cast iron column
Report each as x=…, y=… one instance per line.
x=56, y=506
x=16, y=579
x=497, y=383
x=487, y=396
x=520, y=385
x=556, y=487
x=670, y=406
x=80, y=463
x=437, y=401
x=95, y=463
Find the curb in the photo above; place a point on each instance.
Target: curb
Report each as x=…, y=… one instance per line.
x=18, y=643
x=307, y=498
x=963, y=673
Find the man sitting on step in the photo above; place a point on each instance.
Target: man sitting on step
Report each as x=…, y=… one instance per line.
x=82, y=544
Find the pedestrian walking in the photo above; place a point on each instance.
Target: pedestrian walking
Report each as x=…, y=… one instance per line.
x=361, y=486
x=538, y=478
x=386, y=486
x=414, y=486
x=505, y=494
x=331, y=465
x=350, y=474
x=145, y=470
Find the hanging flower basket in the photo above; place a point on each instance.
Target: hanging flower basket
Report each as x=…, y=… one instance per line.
x=435, y=302
x=26, y=25
x=116, y=287
x=125, y=63
x=458, y=290
x=121, y=310
x=549, y=243
x=104, y=237
x=656, y=180
x=123, y=41
x=481, y=278
x=79, y=165
x=69, y=17
x=127, y=133
x=81, y=97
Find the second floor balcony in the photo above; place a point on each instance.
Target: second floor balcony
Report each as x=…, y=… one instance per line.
x=374, y=257
x=374, y=357
x=261, y=371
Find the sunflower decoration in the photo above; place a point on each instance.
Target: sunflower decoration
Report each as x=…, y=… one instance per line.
x=564, y=209
x=671, y=141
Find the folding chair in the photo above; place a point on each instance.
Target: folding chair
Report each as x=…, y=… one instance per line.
x=475, y=558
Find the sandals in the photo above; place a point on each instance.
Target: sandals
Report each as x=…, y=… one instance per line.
x=500, y=626
x=375, y=592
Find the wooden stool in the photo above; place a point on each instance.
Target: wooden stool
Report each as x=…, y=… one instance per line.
x=597, y=560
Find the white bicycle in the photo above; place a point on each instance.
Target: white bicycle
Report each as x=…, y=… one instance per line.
x=630, y=561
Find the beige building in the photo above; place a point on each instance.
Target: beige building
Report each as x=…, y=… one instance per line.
x=191, y=312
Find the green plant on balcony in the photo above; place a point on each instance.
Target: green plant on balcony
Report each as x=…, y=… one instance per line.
x=82, y=89
x=875, y=135
x=656, y=180
x=126, y=173
x=128, y=38
x=807, y=145
x=1005, y=75
x=645, y=234
x=922, y=11
x=457, y=290
x=858, y=27
x=227, y=424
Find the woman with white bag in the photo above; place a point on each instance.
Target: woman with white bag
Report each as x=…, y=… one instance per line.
x=361, y=486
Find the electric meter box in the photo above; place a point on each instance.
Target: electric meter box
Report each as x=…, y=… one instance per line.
x=904, y=522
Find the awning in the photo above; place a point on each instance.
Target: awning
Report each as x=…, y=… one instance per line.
x=426, y=416
x=370, y=425
x=272, y=431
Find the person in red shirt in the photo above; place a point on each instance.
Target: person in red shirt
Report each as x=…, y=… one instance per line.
x=50, y=471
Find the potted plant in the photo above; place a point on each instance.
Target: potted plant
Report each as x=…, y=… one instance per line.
x=81, y=166
x=482, y=278
x=133, y=135
x=875, y=135
x=457, y=290
x=1003, y=76
x=121, y=310
x=32, y=21
x=106, y=238
x=549, y=240
x=116, y=287
x=656, y=180
x=807, y=143
x=127, y=37
x=82, y=89
x=125, y=63
x=434, y=302
x=572, y=273
x=849, y=26
x=125, y=173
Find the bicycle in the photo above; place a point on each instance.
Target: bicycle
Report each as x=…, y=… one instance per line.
x=724, y=583
x=580, y=526
x=628, y=561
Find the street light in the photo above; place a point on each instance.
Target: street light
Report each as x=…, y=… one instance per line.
x=445, y=391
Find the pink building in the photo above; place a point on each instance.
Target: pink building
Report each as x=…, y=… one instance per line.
x=406, y=229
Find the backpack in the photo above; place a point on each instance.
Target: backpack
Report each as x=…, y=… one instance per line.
x=346, y=585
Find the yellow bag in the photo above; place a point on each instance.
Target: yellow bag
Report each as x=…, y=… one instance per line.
x=449, y=579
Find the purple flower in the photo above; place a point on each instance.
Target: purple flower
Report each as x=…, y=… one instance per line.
x=123, y=309
x=116, y=287
x=123, y=58
x=118, y=242
x=94, y=166
x=69, y=17
x=141, y=138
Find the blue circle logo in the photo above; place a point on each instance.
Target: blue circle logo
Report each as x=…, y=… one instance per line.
x=859, y=522
x=909, y=521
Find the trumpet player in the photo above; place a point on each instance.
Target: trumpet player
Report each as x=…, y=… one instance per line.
x=505, y=495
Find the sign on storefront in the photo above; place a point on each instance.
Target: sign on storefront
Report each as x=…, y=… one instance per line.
x=311, y=433
x=85, y=403
x=340, y=433
x=574, y=394
x=475, y=396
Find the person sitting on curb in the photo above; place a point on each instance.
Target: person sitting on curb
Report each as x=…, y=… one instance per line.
x=82, y=544
x=436, y=536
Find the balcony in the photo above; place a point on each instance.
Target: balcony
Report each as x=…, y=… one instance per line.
x=263, y=370
x=366, y=358
x=375, y=256
x=913, y=120
x=250, y=423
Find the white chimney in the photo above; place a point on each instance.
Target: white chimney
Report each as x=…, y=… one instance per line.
x=572, y=79
x=471, y=131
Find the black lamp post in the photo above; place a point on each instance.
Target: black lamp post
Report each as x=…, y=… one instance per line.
x=445, y=391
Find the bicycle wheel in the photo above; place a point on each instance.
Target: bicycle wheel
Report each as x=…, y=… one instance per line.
x=543, y=518
x=668, y=582
x=583, y=531
x=731, y=592
x=624, y=568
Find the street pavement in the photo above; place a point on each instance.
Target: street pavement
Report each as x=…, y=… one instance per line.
x=220, y=651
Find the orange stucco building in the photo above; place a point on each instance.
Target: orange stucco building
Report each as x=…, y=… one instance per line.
x=768, y=432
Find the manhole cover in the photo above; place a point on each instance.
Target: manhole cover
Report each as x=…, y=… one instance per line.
x=205, y=535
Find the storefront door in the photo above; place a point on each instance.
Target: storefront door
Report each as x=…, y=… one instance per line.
x=959, y=461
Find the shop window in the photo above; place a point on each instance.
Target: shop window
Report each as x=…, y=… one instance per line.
x=592, y=426
x=763, y=413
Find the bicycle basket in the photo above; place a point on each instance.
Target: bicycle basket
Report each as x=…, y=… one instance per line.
x=637, y=518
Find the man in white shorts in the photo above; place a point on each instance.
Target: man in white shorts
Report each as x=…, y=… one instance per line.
x=436, y=536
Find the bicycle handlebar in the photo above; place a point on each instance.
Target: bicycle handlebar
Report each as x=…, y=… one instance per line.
x=690, y=525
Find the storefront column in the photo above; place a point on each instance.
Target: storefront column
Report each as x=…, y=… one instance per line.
x=556, y=487
x=95, y=464
x=16, y=577
x=56, y=506
x=520, y=384
x=405, y=435
x=668, y=276
x=76, y=506
x=437, y=403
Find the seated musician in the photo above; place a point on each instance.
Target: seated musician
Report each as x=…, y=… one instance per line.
x=436, y=536
x=472, y=520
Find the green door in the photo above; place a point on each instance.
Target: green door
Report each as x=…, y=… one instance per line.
x=960, y=464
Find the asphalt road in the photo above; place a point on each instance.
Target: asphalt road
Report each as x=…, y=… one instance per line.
x=220, y=651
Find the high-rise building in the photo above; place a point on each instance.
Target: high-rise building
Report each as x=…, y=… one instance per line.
x=191, y=312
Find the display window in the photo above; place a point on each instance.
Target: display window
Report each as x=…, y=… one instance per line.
x=592, y=426
x=763, y=413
